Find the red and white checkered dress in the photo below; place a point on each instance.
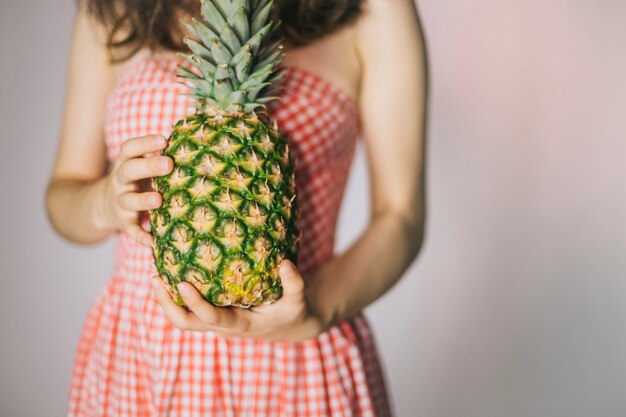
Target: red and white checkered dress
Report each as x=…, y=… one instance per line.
x=131, y=361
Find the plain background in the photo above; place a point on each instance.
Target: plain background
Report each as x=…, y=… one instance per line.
x=516, y=304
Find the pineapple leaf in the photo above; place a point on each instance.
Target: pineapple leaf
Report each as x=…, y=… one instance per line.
x=242, y=68
x=238, y=97
x=198, y=49
x=256, y=78
x=229, y=7
x=212, y=16
x=274, y=59
x=206, y=68
x=230, y=39
x=204, y=87
x=186, y=85
x=228, y=48
x=192, y=59
x=239, y=23
x=253, y=92
x=220, y=53
x=261, y=12
x=211, y=100
x=222, y=88
x=255, y=41
x=241, y=53
x=250, y=107
x=224, y=71
x=278, y=74
x=194, y=95
x=187, y=58
x=202, y=32
x=184, y=72
x=269, y=49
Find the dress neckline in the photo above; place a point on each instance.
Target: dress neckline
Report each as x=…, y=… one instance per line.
x=175, y=59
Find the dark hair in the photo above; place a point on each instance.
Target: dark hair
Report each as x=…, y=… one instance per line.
x=135, y=24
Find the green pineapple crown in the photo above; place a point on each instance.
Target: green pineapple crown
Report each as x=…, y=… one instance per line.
x=238, y=67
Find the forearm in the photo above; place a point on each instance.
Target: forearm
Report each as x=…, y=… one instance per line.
x=73, y=207
x=373, y=264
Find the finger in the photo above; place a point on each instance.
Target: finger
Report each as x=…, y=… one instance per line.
x=140, y=201
x=291, y=279
x=136, y=147
x=177, y=314
x=142, y=168
x=208, y=313
x=137, y=233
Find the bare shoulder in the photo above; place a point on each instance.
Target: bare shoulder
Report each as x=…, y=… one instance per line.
x=388, y=12
x=388, y=40
x=388, y=26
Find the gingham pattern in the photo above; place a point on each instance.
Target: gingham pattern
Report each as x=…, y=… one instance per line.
x=131, y=361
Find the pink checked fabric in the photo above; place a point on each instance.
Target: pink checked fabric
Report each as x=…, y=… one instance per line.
x=131, y=361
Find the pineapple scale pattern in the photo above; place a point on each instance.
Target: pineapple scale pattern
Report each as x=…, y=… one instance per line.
x=131, y=361
x=212, y=228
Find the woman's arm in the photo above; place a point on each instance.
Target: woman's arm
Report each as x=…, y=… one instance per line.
x=81, y=158
x=392, y=103
x=85, y=204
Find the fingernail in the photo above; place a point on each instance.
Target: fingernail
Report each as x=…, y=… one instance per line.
x=165, y=164
x=285, y=268
x=154, y=199
x=183, y=289
x=159, y=141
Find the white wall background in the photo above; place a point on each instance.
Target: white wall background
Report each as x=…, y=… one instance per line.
x=516, y=305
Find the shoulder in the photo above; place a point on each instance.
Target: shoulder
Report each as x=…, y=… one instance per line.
x=388, y=39
x=386, y=10
x=387, y=26
x=391, y=51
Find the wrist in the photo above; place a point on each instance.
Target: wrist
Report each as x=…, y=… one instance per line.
x=98, y=207
x=323, y=305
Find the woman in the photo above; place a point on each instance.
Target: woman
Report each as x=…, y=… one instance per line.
x=359, y=68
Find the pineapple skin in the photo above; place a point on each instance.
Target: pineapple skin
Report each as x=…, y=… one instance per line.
x=228, y=216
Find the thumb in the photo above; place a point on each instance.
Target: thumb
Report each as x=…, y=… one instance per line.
x=292, y=281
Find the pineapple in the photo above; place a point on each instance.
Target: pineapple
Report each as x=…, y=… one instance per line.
x=228, y=215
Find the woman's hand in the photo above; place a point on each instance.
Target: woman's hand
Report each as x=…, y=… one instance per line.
x=121, y=198
x=289, y=319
